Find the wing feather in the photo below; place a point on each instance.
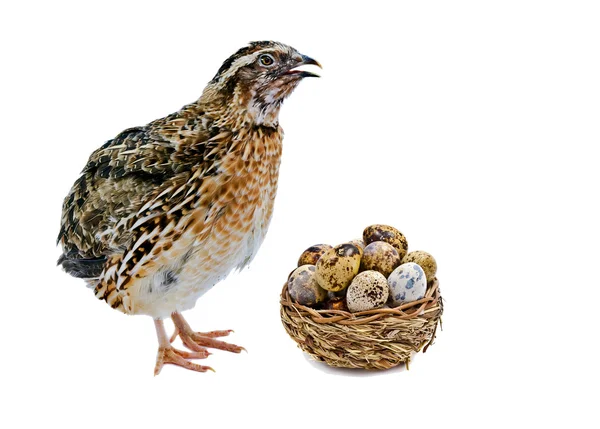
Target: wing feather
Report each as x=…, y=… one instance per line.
x=125, y=183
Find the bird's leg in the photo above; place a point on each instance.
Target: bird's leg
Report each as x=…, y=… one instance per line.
x=167, y=354
x=194, y=340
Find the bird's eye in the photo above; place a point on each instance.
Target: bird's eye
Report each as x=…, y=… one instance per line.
x=266, y=60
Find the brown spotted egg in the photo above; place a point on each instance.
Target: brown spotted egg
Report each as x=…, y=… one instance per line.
x=360, y=244
x=424, y=260
x=303, y=286
x=337, y=267
x=388, y=234
x=380, y=256
x=368, y=290
x=312, y=254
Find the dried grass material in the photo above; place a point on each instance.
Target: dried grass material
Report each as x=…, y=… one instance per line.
x=374, y=339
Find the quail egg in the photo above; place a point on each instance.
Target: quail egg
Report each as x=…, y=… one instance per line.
x=303, y=286
x=360, y=244
x=388, y=234
x=424, y=260
x=312, y=254
x=337, y=267
x=380, y=256
x=368, y=290
x=407, y=283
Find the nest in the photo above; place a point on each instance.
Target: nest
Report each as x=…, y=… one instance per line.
x=374, y=339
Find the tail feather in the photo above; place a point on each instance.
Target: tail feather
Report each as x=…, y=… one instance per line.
x=82, y=268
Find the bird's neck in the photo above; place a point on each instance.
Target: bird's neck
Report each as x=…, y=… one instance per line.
x=238, y=110
x=263, y=115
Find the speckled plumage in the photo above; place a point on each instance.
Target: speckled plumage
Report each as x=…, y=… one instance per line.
x=164, y=211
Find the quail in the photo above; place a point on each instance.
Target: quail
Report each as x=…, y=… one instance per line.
x=163, y=212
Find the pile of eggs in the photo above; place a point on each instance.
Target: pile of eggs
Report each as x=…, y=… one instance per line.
x=362, y=274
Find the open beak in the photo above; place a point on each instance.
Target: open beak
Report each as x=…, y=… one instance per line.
x=305, y=61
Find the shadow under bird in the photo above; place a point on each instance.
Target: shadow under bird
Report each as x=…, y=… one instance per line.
x=163, y=212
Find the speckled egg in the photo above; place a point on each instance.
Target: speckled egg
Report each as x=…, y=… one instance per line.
x=424, y=260
x=313, y=253
x=388, y=234
x=368, y=290
x=407, y=283
x=337, y=267
x=360, y=244
x=303, y=286
x=380, y=256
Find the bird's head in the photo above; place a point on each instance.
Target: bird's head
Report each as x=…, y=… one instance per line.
x=255, y=80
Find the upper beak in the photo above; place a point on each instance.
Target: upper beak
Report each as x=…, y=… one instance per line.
x=305, y=60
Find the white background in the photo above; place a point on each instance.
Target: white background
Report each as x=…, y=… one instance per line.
x=470, y=126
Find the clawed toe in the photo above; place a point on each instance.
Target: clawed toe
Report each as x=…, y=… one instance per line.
x=170, y=355
x=216, y=334
x=167, y=354
x=198, y=340
x=210, y=334
x=199, y=354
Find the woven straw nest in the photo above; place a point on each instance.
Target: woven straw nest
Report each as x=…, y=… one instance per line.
x=374, y=339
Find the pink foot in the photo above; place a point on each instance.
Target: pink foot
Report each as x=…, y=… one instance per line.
x=198, y=340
